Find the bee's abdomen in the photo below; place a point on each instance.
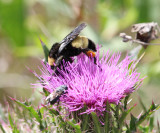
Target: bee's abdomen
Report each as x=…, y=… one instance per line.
x=91, y=45
x=54, y=100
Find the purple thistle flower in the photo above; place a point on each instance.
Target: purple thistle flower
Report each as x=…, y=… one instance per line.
x=90, y=85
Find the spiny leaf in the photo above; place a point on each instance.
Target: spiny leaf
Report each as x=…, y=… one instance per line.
x=133, y=123
x=125, y=101
x=36, y=114
x=144, y=129
x=150, y=111
x=2, y=129
x=75, y=125
x=51, y=111
x=151, y=123
x=117, y=116
x=59, y=117
x=12, y=124
x=43, y=125
x=46, y=93
x=45, y=50
x=124, y=115
x=29, y=108
x=10, y=120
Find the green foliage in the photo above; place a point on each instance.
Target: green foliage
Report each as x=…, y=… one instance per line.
x=124, y=115
x=47, y=119
x=12, y=16
x=12, y=124
x=2, y=129
x=133, y=127
x=85, y=123
x=74, y=125
x=146, y=115
x=45, y=50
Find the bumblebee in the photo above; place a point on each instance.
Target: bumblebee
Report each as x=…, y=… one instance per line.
x=71, y=45
x=56, y=94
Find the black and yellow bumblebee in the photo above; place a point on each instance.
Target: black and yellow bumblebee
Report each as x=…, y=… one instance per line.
x=56, y=94
x=71, y=45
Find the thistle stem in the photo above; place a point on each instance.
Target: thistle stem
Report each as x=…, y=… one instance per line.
x=85, y=122
x=97, y=125
x=107, y=118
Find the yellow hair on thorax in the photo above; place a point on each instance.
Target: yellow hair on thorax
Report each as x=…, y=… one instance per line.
x=80, y=42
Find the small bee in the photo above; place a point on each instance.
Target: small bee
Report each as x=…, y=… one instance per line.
x=56, y=94
x=71, y=45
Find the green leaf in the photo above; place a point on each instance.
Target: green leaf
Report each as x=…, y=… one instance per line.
x=10, y=120
x=144, y=129
x=51, y=111
x=36, y=114
x=151, y=123
x=75, y=125
x=133, y=123
x=124, y=115
x=39, y=113
x=97, y=125
x=126, y=101
x=29, y=108
x=12, y=124
x=46, y=93
x=150, y=111
x=45, y=50
x=2, y=129
x=117, y=115
x=43, y=125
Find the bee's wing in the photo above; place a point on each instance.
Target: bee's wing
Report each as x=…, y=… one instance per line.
x=71, y=36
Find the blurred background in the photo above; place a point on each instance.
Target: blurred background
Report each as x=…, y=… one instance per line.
x=23, y=22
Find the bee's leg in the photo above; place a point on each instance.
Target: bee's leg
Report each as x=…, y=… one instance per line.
x=58, y=102
x=90, y=53
x=95, y=60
